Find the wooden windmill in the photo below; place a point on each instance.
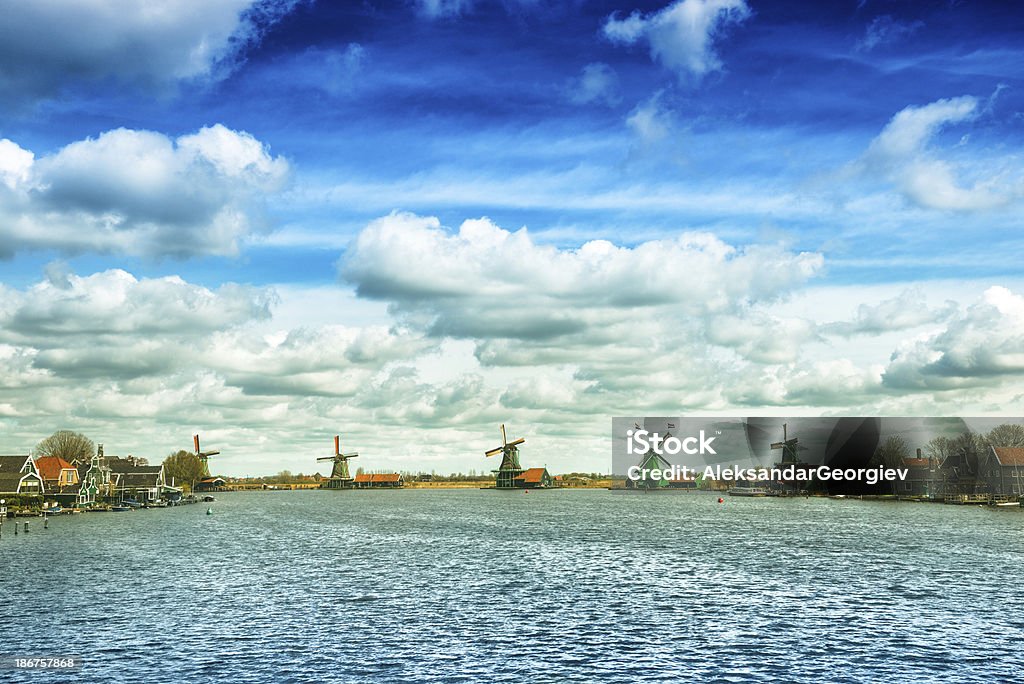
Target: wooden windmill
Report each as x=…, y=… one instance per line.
x=203, y=457
x=340, y=477
x=650, y=460
x=509, y=470
x=788, y=446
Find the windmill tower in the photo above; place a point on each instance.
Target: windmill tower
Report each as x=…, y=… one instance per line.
x=506, y=474
x=788, y=446
x=650, y=460
x=340, y=478
x=203, y=457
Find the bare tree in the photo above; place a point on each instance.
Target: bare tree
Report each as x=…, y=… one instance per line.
x=939, y=449
x=1006, y=435
x=892, y=454
x=66, y=444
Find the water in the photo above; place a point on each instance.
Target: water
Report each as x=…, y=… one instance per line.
x=482, y=586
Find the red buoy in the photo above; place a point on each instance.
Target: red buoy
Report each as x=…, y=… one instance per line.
x=721, y=500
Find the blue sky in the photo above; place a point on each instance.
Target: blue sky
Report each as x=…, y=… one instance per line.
x=729, y=207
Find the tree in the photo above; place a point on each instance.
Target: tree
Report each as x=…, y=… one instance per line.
x=939, y=449
x=66, y=444
x=1006, y=435
x=184, y=467
x=892, y=454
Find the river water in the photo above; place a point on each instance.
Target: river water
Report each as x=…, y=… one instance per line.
x=485, y=586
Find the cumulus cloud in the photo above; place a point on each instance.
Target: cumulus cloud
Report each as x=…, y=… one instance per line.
x=907, y=310
x=983, y=345
x=901, y=153
x=137, y=192
x=46, y=45
x=487, y=282
x=681, y=36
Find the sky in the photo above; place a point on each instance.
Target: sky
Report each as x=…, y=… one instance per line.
x=410, y=222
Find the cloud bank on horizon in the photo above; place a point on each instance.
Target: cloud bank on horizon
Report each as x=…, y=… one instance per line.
x=273, y=221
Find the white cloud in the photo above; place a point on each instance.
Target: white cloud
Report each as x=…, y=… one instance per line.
x=435, y=9
x=982, y=346
x=46, y=45
x=681, y=36
x=598, y=83
x=487, y=282
x=884, y=30
x=650, y=122
x=138, y=192
x=907, y=310
x=901, y=153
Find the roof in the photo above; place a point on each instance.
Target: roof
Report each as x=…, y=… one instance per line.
x=917, y=462
x=12, y=464
x=123, y=465
x=532, y=475
x=210, y=480
x=1009, y=456
x=378, y=477
x=50, y=466
x=10, y=473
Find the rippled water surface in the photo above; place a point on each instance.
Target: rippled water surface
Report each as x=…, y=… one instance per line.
x=560, y=586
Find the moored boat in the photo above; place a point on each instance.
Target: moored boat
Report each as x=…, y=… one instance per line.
x=748, y=491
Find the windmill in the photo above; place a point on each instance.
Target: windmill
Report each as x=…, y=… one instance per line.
x=339, y=478
x=650, y=460
x=509, y=469
x=788, y=446
x=203, y=456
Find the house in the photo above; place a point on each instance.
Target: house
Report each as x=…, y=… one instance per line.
x=923, y=477
x=57, y=473
x=378, y=481
x=144, y=483
x=211, y=484
x=19, y=476
x=96, y=481
x=533, y=477
x=1003, y=471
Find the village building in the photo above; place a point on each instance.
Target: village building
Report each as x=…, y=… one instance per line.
x=19, y=476
x=96, y=481
x=923, y=477
x=378, y=481
x=535, y=478
x=1003, y=471
x=142, y=483
x=211, y=484
x=57, y=473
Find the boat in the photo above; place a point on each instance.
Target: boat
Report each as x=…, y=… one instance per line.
x=1007, y=504
x=748, y=491
x=208, y=498
x=157, y=504
x=120, y=508
x=132, y=503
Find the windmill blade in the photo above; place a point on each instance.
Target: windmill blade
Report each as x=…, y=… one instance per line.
x=492, y=452
x=326, y=458
x=518, y=441
x=348, y=455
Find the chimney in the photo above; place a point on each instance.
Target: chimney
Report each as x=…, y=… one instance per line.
x=919, y=452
